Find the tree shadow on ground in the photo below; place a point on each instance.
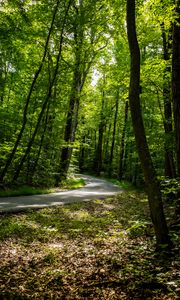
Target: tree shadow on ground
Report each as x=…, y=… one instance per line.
x=103, y=249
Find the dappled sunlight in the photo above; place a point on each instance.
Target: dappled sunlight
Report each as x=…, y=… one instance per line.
x=80, y=215
x=88, y=219
x=108, y=206
x=81, y=248
x=144, y=200
x=55, y=245
x=94, y=189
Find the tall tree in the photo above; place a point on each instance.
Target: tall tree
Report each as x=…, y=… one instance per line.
x=113, y=134
x=153, y=189
x=176, y=81
x=122, y=146
x=85, y=43
x=77, y=85
x=168, y=126
x=98, y=162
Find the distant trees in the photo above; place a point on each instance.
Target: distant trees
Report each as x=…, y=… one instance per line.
x=83, y=58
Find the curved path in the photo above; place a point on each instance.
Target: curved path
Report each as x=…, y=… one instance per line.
x=95, y=188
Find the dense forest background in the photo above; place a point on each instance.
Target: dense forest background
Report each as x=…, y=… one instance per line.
x=64, y=78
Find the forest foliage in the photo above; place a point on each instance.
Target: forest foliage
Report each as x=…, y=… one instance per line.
x=64, y=78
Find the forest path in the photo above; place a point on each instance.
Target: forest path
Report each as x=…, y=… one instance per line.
x=95, y=188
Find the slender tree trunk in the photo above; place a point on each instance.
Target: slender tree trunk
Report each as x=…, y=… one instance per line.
x=98, y=159
x=98, y=155
x=122, y=148
x=70, y=128
x=48, y=97
x=168, y=128
x=81, y=69
x=82, y=155
x=82, y=149
x=73, y=110
x=114, y=134
x=107, y=139
x=33, y=169
x=11, y=156
x=176, y=82
x=3, y=80
x=153, y=189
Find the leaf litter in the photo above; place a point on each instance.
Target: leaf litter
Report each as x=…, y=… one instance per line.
x=102, y=249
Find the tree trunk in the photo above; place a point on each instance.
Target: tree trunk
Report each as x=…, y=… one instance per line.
x=82, y=155
x=98, y=158
x=168, y=128
x=113, y=136
x=107, y=139
x=122, y=149
x=35, y=164
x=176, y=82
x=70, y=127
x=78, y=81
x=153, y=189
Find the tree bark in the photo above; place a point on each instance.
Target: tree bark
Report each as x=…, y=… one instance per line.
x=82, y=155
x=70, y=127
x=35, y=164
x=176, y=82
x=98, y=156
x=168, y=128
x=77, y=86
x=122, y=149
x=153, y=189
x=114, y=134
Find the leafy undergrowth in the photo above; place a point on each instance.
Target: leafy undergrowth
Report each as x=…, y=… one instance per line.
x=123, y=184
x=71, y=183
x=103, y=249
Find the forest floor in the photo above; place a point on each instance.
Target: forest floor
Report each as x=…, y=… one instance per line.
x=101, y=249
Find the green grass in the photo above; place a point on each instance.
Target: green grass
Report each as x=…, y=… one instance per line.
x=83, y=251
x=71, y=183
x=124, y=184
x=88, y=219
x=24, y=190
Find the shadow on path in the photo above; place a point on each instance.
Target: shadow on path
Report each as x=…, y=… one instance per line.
x=95, y=189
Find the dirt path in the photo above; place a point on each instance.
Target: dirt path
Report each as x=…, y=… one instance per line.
x=95, y=189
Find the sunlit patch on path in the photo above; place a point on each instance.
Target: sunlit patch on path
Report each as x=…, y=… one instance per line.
x=95, y=189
